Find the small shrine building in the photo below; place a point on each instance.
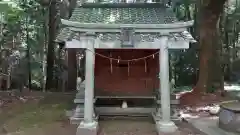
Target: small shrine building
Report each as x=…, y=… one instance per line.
x=123, y=41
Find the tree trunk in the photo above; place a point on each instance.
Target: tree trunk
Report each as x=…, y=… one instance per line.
x=28, y=63
x=210, y=66
x=51, y=43
x=43, y=56
x=208, y=15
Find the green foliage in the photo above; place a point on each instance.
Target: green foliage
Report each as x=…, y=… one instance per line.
x=3, y=7
x=23, y=27
x=186, y=68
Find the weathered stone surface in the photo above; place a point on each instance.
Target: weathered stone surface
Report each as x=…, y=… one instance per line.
x=75, y=121
x=80, y=94
x=208, y=125
x=87, y=128
x=174, y=109
x=232, y=106
x=69, y=113
x=79, y=111
x=229, y=116
x=174, y=116
x=78, y=120
x=165, y=127
x=79, y=101
x=78, y=115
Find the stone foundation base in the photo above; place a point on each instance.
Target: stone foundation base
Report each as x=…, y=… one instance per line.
x=156, y=117
x=87, y=128
x=78, y=120
x=166, y=127
x=74, y=120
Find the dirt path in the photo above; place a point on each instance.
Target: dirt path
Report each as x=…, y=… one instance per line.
x=127, y=127
x=142, y=127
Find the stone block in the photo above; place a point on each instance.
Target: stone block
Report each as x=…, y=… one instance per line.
x=79, y=118
x=229, y=117
x=157, y=117
x=166, y=127
x=87, y=128
x=79, y=101
x=70, y=113
x=172, y=102
x=76, y=121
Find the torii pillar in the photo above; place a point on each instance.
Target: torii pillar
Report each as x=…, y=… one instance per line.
x=164, y=125
x=89, y=126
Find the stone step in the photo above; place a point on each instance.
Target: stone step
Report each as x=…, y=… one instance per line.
x=125, y=97
x=76, y=121
x=81, y=100
x=172, y=102
x=116, y=111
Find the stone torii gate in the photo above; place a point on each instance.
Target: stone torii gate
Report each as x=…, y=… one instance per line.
x=130, y=26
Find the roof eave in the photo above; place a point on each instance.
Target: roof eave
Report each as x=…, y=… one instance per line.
x=177, y=25
x=186, y=35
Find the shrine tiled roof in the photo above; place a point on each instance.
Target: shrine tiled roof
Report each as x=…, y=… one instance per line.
x=121, y=13
x=124, y=13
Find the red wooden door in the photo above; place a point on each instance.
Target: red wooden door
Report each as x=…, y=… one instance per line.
x=135, y=78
